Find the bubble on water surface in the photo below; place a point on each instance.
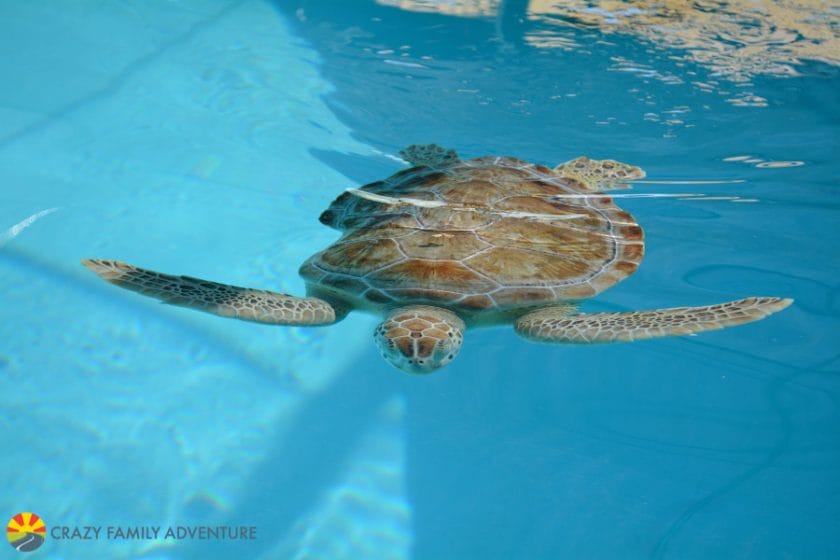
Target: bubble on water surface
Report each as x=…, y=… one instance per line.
x=775, y=164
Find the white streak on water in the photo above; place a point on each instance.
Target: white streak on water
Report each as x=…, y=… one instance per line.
x=455, y=207
x=406, y=64
x=731, y=198
x=737, y=158
x=15, y=230
x=626, y=195
x=397, y=200
x=552, y=217
x=710, y=182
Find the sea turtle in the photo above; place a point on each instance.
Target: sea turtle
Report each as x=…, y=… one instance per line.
x=449, y=244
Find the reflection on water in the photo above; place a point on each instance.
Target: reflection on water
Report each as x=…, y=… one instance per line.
x=761, y=164
x=467, y=8
x=736, y=40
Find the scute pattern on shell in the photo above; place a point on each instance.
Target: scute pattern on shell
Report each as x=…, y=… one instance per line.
x=491, y=233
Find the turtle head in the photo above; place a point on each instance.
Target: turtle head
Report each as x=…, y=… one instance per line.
x=420, y=338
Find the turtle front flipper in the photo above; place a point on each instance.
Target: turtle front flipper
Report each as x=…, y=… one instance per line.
x=220, y=299
x=556, y=325
x=430, y=155
x=599, y=174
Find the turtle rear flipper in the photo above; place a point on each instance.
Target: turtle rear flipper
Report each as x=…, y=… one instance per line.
x=556, y=325
x=247, y=304
x=599, y=174
x=430, y=155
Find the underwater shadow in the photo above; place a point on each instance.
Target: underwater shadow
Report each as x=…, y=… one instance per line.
x=298, y=470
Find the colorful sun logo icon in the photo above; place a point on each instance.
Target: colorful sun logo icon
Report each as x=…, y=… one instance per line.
x=26, y=531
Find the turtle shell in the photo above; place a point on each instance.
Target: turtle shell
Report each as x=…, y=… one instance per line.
x=482, y=235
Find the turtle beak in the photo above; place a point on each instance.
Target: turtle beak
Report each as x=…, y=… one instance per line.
x=419, y=355
x=423, y=358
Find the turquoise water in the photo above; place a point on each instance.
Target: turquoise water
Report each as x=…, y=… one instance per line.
x=206, y=138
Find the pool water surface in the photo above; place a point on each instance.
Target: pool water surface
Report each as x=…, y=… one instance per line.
x=206, y=138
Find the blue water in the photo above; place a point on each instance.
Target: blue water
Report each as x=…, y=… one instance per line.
x=206, y=138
